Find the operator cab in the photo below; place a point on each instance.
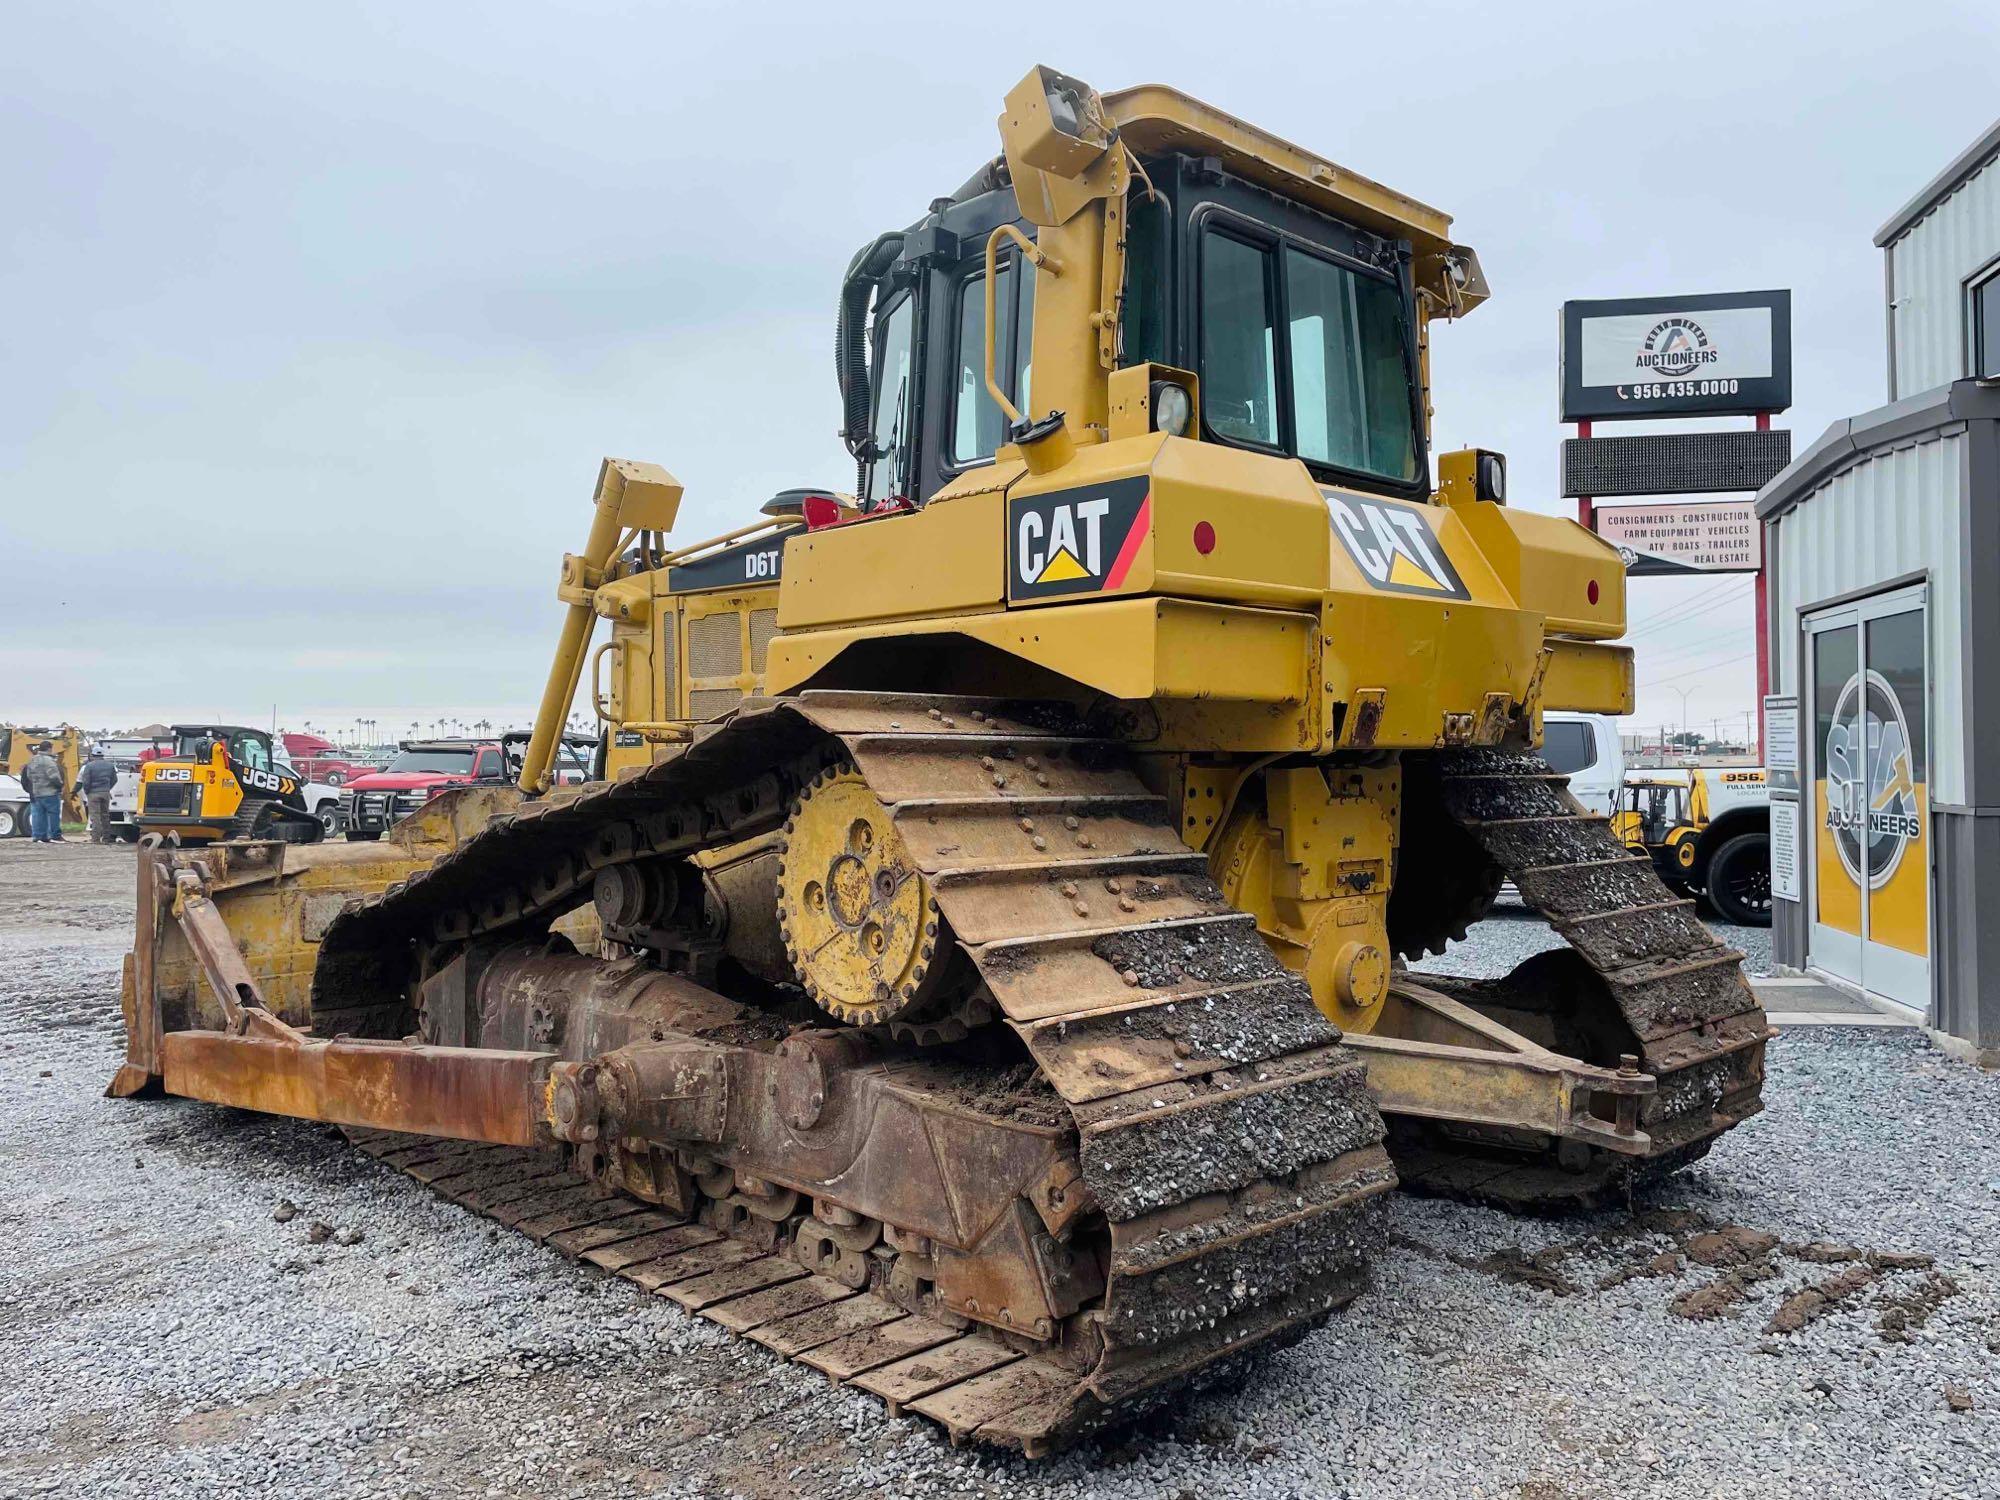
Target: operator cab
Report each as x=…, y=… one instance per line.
x=250, y=748
x=1301, y=330
x=1655, y=808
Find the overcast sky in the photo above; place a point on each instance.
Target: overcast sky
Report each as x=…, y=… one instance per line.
x=317, y=320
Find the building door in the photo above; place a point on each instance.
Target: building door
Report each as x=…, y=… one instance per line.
x=1869, y=773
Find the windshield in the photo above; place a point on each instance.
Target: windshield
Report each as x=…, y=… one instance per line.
x=450, y=761
x=124, y=750
x=1336, y=389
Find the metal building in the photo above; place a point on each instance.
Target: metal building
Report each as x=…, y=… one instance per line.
x=1884, y=633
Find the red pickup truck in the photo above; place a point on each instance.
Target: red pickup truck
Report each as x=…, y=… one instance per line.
x=319, y=759
x=418, y=771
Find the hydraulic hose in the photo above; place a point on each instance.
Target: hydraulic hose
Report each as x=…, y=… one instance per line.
x=850, y=339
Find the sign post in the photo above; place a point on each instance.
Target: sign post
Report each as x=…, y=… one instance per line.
x=1653, y=358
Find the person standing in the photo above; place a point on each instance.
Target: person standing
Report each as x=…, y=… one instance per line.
x=93, y=786
x=42, y=776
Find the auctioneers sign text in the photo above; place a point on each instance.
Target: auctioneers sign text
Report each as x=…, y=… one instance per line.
x=1713, y=354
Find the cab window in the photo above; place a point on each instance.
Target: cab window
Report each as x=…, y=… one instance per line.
x=1336, y=388
x=978, y=426
x=249, y=751
x=889, y=474
x=1568, y=746
x=1239, y=378
x=1350, y=395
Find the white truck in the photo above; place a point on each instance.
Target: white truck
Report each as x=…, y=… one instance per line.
x=1586, y=748
x=126, y=756
x=13, y=808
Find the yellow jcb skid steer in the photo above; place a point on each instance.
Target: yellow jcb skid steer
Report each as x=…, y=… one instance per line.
x=977, y=975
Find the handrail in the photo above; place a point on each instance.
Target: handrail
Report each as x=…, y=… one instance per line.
x=741, y=533
x=1036, y=257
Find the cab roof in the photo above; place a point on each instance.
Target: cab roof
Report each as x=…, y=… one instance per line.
x=1153, y=118
x=219, y=729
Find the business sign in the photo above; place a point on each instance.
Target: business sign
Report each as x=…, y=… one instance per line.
x=1708, y=355
x=1701, y=536
x=1781, y=741
x=1785, y=850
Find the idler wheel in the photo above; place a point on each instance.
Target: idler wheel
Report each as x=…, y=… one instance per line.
x=859, y=920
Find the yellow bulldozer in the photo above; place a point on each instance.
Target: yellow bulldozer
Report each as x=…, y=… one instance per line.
x=17, y=748
x=978, y=972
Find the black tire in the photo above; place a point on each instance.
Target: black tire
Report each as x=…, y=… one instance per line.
x=1739, y=880
x=364, y=835
x=127, y=833
x=328, y=813
x=335, y=778
x=13, y=821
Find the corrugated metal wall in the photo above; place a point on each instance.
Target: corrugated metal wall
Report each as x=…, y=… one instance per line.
x=1930, y=264
x=1890, y=515
x=1967, y=942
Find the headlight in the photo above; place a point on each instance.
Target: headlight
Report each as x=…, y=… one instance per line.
x=1172, y=410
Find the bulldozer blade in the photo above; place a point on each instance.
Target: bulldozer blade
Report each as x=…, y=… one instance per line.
x=459, y=1093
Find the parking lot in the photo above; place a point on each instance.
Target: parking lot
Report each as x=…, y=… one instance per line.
x=1802, y=1313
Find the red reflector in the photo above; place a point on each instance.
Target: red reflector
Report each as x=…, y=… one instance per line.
x=1204, y=538
x=1592, y=591
x=820, y=510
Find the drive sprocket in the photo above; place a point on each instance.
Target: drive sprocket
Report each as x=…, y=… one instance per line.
x=860, y=921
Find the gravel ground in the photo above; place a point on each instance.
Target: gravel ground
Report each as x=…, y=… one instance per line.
x=166, y=1336
x=1511, y=933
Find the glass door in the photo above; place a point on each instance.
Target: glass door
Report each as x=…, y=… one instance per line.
x=1867, y=675
x=1833, y=654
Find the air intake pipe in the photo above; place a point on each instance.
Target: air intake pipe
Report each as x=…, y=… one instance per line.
x=850, y=341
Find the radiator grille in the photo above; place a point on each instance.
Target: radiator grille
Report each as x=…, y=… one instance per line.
x=670, y=685
x=715, y=646
x=763, y=625
x=167, y=797
x=710, y=703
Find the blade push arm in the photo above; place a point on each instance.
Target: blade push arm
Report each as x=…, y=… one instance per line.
x=631, y=496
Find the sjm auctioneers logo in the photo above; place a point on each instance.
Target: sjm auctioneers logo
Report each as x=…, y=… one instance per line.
x=1872, y=807
x=1677, y=346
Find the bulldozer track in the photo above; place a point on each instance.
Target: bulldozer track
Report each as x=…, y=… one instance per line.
x=1681, y=992
x=1222, y=1129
